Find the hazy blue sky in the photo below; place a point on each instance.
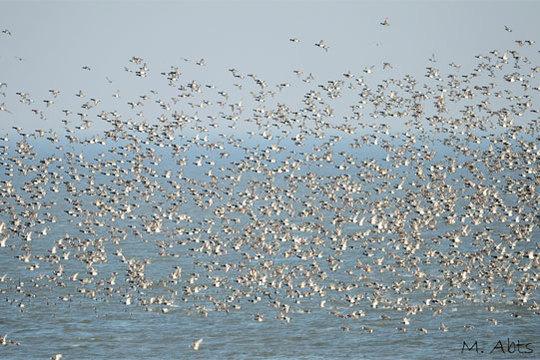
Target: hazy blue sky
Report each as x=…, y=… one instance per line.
x=56, y=38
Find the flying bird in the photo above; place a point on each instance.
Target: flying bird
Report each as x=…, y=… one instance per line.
x=196, y=344
x=321, y=44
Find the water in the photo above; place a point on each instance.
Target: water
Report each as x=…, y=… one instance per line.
x=79, y=331
x=104, y=327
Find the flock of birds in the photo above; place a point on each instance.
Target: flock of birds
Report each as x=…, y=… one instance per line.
x=383, y=201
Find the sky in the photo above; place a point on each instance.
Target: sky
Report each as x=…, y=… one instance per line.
x=55, y=39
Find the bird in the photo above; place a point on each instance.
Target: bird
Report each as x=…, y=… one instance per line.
x=196, y=344
x=4, y=108
x=321, y=44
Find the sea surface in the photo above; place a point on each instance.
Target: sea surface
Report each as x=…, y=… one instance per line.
x=56, y=317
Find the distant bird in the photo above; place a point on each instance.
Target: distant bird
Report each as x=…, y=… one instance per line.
x=294, y=40
x=385, y=22
x=507, y=28
x=322, y=45
x=86, y=67
x=196, y=344
x=4, y=340
x=4, y=108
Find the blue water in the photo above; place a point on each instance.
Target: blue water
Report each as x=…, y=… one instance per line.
x=104, y=327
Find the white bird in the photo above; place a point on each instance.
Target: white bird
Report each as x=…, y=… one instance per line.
x=4, y=108
x=196, y=344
